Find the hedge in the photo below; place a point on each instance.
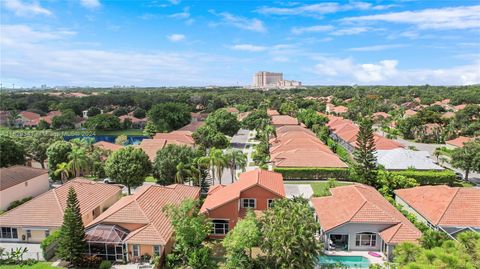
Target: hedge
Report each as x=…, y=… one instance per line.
x=429, y=177
x=313, y=173
x=49, y=245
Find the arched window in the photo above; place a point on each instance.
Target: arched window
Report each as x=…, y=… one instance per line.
x=366, y=239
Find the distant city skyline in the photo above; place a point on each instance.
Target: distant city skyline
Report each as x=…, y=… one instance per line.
x=100, y=43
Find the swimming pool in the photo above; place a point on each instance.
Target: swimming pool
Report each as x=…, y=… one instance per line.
x=348, y=261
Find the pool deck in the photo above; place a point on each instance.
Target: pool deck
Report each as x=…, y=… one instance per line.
x=371, y=259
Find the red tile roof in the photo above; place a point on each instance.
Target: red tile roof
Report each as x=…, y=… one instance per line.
x=152, y=146
x=363, y=204
x=30, y=115
x=107, y=146
x=381, y=115
x=46, y=210
x=459, y=141
x=181, y=136
x=284, y=120
x=14, y=175
x=268, y=180
x=192, y=127
x=272, y=112
x=410, y=112
x=307, y=158
x=145, y=208
x=443, y=205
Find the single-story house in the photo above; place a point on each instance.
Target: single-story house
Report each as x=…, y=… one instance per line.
x=458, y=142
x=403, y=159
x=136, y=225
x=282, y=120
x=34, y=220
x=19, y=182
x=358, y=217
x=255, y=190
x=449, y=209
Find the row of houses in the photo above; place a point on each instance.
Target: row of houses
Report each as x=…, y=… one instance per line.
x=354, y=217
x=391, y=154
x=27, y=118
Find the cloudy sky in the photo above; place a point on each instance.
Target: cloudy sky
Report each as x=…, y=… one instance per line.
x=197, y=43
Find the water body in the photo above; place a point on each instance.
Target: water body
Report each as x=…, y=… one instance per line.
x=132, y=139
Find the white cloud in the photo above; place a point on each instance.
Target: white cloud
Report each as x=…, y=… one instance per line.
x=176, y=37
x=346, y=71
x=253, y=24
x=21, y=8
x=317, y=10
x=463, y=17
x=311, y=29
x=378, y=47
x=27, y=55
x=185, y=14
x=90, y=3
x=350, y=31
x=248, y=47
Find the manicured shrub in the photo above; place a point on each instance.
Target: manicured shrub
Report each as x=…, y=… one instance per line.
x=49, y=242
x=105, y=265
x=313, y=173
x=429, y=177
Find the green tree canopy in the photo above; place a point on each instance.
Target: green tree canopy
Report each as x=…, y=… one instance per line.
x=139, y=113
x=208, y=137
x=103, y=122
x=169, y=116
x=11, y=152
x=167, y=160
x=255, y=119
x=467, y=157
x=93, y=111
x=223, y=121
x=71, y=244
x=37, y=144
x=288, y=234
x=57, y=153
x=128, y=166
x=64, y=121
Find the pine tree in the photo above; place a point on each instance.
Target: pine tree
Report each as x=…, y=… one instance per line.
x=364, y=154
x=72, y=244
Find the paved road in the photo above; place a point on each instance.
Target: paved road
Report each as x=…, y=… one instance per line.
x=239, y=141
x=473, y=177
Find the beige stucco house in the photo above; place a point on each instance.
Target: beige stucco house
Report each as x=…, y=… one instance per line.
x=20, y=182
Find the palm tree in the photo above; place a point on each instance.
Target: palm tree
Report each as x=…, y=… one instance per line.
x=63, y=170
x=183, y=172
x=216, y=162
x=78, y=161
x=268, y=131
x=235, y=158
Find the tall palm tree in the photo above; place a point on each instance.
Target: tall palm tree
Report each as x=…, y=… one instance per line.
x=235, y=158
x=216, y=161
x=63, y=170
x=78, y=161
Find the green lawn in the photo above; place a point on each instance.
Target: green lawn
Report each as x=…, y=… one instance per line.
x=461, y=183
x=40, y=265
x=5, y=130
x=319, y=188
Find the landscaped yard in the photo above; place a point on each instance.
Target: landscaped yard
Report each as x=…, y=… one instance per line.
x=139, y=132
x=40, y=265
x=320, y=188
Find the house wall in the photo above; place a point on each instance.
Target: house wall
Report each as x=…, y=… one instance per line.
x=410, y=209
x=89, y=216
x=145, y=249
x=29, y=188
x=228, y=211
x=261, y=195
x=353, y=228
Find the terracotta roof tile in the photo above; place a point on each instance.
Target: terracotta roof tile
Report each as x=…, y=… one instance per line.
x=192, y=127
x=46, y=210
x=459, y=141
x=284, y=120
x=272, y=112
x=269, y=180
x=145, y=208
x=107, y=146
x=363, y=204
x=17, y=174
x=444, y=205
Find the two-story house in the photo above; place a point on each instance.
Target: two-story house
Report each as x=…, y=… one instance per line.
x=255, y=190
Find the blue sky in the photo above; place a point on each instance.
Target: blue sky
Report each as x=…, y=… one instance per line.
x=198, y=43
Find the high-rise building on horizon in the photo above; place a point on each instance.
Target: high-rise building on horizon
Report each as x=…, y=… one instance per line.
x=271, y=80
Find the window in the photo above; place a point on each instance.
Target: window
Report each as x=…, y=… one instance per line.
x=248, y=203
x=156, y=250
x=366, y=240
x=9, y=233
x=220, y=226
x=47, y=233
x=26, y=183
x=270, y=203
x=136, y=250
x=29, y=234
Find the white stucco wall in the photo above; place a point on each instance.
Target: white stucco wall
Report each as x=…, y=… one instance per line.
x=30, y=188
x=353, y=228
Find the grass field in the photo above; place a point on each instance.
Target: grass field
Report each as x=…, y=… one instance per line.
x=320, y=188
x=4, y=130
x=40, y=265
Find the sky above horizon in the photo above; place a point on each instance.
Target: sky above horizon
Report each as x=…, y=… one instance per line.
x=200, y=43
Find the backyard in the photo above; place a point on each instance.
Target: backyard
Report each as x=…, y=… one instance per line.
x=320, y=188
x=40, y=265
